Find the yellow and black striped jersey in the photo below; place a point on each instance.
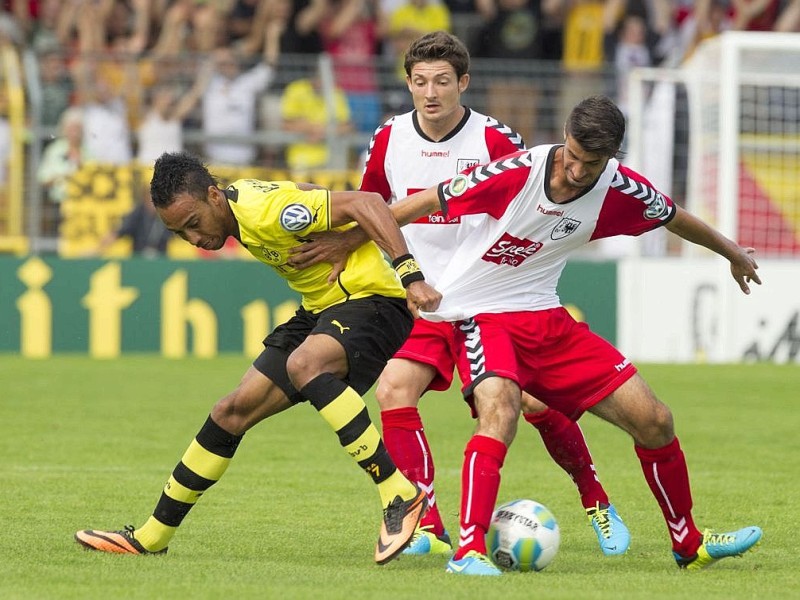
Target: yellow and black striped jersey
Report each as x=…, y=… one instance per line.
x=274, y=216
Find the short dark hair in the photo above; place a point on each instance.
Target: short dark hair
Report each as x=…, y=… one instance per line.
x=178, y=172
x=438, y=45
x=598, y=125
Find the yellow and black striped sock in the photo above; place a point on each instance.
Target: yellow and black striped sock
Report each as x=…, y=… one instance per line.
x=344, y=410
x=202, y=466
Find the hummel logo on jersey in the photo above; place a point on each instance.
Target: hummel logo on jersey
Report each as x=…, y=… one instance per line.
x=564, y=227
x=512, y=251
x=295, y=217
x=550, y=212
x=435, y=153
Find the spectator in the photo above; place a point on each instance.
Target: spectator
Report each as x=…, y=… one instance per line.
x=630, y=52
x=301, y=36
x=304, y=111
x=585, y=24
x=106, y=134
x=351, y=36
x=53, y=26
x=230, y=98
x=162, y=127
x=56, y=84
x=512, y=31
x=241, y=17
x=147, y=233
x=755, y=15
x=412, y=19
x=63, y=156
x=229, y=107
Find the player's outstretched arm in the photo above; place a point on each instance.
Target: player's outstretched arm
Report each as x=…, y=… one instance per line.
x=416, y=205
x=334, y=247
x=372, y=214
x=692, y=229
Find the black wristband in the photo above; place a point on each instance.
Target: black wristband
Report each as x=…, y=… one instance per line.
x=407, y=269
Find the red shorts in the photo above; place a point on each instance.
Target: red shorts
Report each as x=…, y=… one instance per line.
x=432, y=344
x=549, y=354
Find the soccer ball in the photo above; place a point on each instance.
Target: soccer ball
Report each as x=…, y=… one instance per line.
x=523, y=536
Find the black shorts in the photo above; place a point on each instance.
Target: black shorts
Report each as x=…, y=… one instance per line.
x=376, y=328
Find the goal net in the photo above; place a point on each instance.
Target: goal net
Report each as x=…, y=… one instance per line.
x=741, y=112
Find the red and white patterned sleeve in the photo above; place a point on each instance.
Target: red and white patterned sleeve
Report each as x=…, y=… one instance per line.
x=632, y=206
x=486, y=189
x=501, y=139
x=374, y=178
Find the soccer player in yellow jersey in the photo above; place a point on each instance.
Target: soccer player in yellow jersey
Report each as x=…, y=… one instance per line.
x=329, y=353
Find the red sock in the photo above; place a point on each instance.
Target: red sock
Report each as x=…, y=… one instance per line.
x=405, y=440
x=565, y=442
x=480, y=482
x=666, y=474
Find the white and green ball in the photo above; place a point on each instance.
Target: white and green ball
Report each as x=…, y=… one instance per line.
x=523, y=536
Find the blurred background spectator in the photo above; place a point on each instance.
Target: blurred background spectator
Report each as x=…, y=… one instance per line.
x=141, y=226
x=232, y=80
x=411, y=19
x=231, y=95
x=56, y=85
x=63, y=156
x=161, y=130
x=352, y=33
x=304, y=110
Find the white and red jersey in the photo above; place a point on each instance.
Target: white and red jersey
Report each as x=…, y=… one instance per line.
x=403, y=160
x=512, y=261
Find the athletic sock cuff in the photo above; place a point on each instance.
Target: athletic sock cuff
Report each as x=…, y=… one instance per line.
x=548, y=420
x=323, y=389
x=489, y=446
x=216, y=440
x=659, y=454
x=401, y=418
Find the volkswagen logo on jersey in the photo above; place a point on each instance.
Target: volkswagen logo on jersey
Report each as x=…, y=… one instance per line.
x=657, y=208
x=295, y=217
x=564, y=227
x=458, y=185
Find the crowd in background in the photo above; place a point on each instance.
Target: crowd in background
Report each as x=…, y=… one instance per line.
x=120, y=80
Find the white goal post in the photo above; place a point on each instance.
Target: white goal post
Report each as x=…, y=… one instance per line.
x=721, y=135
x=742, y=93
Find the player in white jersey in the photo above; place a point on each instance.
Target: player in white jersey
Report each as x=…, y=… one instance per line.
x=410, y=152
x=512, y=332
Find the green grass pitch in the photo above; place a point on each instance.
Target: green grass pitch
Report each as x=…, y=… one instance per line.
x=90, y=444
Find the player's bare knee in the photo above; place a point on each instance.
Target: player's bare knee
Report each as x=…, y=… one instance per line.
x=499, y=421
x=394, y=392
x=226, y=415
x=301, y=368
x=659, y=429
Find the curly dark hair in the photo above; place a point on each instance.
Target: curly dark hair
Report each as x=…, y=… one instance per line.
x=176, y=173
x=438, y=45
x=598, y=125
